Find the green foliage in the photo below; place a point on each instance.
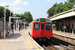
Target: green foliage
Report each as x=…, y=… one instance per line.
x=7, y=13
x=1, y=11
x=17, y=15
x=72, y=2
x=27, y=16
x=61, y=7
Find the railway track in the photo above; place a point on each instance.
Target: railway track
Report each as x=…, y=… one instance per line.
x=65, y=45
x=48, y=47
x=61, y=42
x=56, y=44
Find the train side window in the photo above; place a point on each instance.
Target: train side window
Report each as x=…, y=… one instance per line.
x=48, y=26
x=36, y=26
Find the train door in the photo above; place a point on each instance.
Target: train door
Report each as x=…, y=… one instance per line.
x=42, y=29
x=48, y=30
x=36, y=29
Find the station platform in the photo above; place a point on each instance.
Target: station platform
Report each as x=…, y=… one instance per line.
x=20, y=40
x=64, y=34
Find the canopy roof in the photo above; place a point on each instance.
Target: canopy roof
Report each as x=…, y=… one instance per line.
x=65, y=14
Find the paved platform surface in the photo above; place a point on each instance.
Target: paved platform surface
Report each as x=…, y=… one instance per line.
x=20, y=40
x=65, y=34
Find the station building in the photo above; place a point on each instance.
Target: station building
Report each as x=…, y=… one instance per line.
x=67, y=19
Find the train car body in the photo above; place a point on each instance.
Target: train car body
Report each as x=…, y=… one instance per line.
x=41, y=27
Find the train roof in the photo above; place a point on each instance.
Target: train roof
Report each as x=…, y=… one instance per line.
x=42, y=20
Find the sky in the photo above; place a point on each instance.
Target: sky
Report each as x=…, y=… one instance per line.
x=38, y=8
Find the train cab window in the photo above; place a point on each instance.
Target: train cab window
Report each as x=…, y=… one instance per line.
x=42, y=27
x=36, y=26
x=48, y=26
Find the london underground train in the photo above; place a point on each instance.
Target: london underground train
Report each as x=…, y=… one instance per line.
x=41, y=28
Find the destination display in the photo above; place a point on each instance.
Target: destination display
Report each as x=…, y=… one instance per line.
x=43, y=20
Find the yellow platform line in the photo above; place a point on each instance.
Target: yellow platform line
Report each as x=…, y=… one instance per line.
x=33, y=43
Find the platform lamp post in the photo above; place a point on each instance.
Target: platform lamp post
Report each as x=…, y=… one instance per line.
x=24, y=24
x=19, y=23
x=5, y=19
x=10, y=20
x=14, y=23
x=11, y=13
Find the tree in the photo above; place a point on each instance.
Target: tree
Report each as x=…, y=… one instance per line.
x=72, y=2
x=1, y=11
x=22, y=16
x=61, y=7
x=17, y=15
x=7, y=13
x=27, y=16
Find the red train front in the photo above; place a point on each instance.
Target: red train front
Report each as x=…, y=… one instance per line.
x=41, y=27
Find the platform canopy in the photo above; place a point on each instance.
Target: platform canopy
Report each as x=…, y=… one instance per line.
x=62, y=15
